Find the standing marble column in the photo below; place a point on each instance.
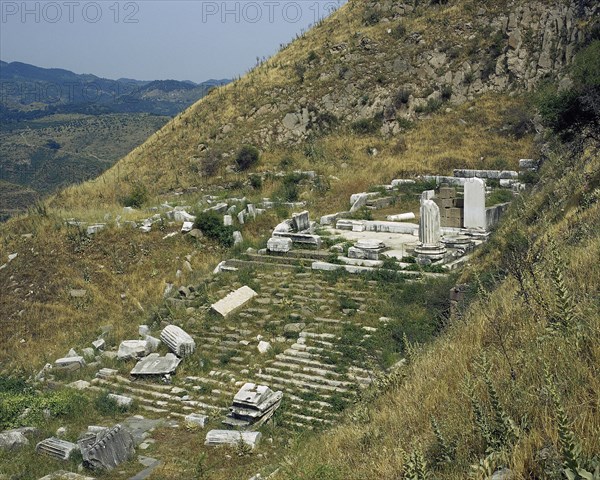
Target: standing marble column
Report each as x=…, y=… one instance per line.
x=430, y=231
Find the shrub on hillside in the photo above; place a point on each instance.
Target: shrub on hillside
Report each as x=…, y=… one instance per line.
x=211, y=225
x=366, y=126
x=211, y=164
x=570, y=109
x=247, y=157
x=137, y=197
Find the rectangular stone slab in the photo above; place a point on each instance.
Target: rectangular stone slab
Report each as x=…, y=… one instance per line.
x=234, y=300
x=154, y=364
x=233, y=438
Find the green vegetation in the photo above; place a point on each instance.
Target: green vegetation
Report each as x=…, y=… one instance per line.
x=210, y=223
x=572, y=109
x=21, y=405
x=137, y=197
x=247, y=157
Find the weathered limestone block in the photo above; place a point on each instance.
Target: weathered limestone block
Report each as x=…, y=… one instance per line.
x=234, y=300
x=402, y=181
x=300, y=221
x=279, y=244
x=493, y=174
x=302, y=238
x=129, y=349
x=264, y=347
x=196, y=419
x=237, y=237
x=232, y=438
x=474, y=210
x=93, y=229
x=122, y=400
x=253, y=405
x=401, y=217
x=70, y=362
x=360, y=200
x=154, y=364
x=12, y=440
x=64, y=475
x=180, y=342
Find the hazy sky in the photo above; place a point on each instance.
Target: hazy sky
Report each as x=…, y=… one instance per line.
x=152, y=39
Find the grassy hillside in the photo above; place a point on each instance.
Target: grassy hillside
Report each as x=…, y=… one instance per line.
x=358, y=79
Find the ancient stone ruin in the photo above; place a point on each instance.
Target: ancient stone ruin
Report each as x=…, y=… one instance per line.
x=154, y=364
x=180, y=343
x=253, y=405
x=107, y=449
x=232, y=438
x=234, y=300
x=430, y=232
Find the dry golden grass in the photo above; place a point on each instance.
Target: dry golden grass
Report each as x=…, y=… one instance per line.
x=124, y=272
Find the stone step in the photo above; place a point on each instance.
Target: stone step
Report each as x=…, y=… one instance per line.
x=316, y=412
x=289, y=359
x=331, y=321
x=306, y=419
x=285, y=260
x=301, y=384
x=156, y=397
x=256, y=264
x=314, y=379
x=148, y=404
x=300, y=400
x=301, y=368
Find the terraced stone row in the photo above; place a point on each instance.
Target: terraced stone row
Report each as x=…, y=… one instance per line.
x=315, y=390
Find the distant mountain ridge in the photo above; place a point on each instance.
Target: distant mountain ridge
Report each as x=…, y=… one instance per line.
x=28, y=91
x=100, y=121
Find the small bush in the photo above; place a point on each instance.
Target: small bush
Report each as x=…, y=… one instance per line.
x=446, y=92
x=399, y=31
x=401, y=97
x=108, y=406
x=286, y=162
x=500, y=195
x=256, y=182
x=53, y=144
x=529, y=177
x=289, y=191
x=211, y=225
x=312, y=56
x=371, y=17
x=366, y=126
x=400, y=146
x=247, y=157
x=211, y=164
x=137, y=197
